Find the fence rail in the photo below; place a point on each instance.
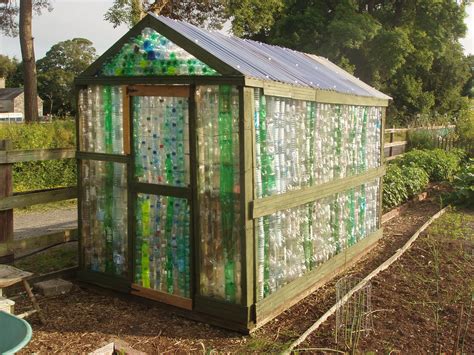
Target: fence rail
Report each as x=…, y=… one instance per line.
x=394, y=149
x=9, y=200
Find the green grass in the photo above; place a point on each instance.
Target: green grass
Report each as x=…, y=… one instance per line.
x=53, y=259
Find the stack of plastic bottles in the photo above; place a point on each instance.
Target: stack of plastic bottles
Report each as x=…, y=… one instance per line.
x=101, y=119
x=219, y=191
x=104, y=217
x=150, y=53
x=299, y=144
x=161, y=138
x=162, y=255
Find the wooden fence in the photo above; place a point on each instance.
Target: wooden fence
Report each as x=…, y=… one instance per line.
x=9, y=247
x=394, y=148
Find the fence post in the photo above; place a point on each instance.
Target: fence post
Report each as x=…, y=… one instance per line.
x=390, y=150
x=6, y=217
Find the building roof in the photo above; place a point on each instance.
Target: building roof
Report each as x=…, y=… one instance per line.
x=263, y=61
x=10, y=93
x=235, y=56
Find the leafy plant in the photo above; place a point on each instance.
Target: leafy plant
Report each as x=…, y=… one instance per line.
x=463, y=185
x=421, y=139
x=438, y=164
x=42, y=174
x=402, y=182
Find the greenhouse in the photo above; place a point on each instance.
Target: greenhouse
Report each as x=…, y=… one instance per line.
x=222, y=176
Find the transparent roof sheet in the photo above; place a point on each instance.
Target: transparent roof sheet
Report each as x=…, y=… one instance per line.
x=262, y=61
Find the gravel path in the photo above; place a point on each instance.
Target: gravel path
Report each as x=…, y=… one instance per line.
x=40, y=223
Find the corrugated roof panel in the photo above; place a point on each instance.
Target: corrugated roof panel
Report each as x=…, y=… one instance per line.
x=266, y=62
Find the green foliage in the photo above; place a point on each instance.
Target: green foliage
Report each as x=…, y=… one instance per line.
x=56, y=72
x=42, y=174
x=209, y=13
x=465, y=125
x=8, y=67
x=438, y=164
x=408, y=49
x=402, y=182
x=463, y=186
x=421, y=139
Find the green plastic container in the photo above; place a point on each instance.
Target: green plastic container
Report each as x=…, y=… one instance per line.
x=15, y=333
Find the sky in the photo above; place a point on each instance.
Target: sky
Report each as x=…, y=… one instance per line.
x=84, y=18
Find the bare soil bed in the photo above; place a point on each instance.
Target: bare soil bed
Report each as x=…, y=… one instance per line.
x=88, y=318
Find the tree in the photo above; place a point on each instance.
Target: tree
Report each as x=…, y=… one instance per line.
x=9, y=9
x=8, y=68
x=247, y=16
x=408, y=49
x=57, y=70
x=129, y=12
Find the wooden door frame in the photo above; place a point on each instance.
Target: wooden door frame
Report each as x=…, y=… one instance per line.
x=136, y=187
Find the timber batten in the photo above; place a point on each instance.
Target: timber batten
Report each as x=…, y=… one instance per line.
x=199, y=168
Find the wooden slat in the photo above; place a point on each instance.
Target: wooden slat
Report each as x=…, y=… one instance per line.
x=17, y=156
x=161, y=80
x=126, y=121
x=272, y=204
x=272, y=88
x=292, y=293
x=159, y=90
x=393, y=157
x=37, y=197
x=6, y=216
x=399, y=130
x=26, y=245
x=395, y=144
x=173, y=300
x=246, y=182
x=225, y=310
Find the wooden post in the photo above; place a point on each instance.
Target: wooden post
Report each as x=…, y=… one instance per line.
x=391, y=141
x=6, y=217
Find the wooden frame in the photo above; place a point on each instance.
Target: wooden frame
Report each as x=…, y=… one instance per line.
x=159, y=296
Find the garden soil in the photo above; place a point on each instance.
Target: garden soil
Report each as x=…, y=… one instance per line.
x=416, y=309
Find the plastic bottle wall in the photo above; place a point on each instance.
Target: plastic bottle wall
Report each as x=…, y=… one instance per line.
x=161, y=138
x=219, y=191
x=101, y=119
x=104, y=217
x=162, y=255
x=302, y=143
x=293, y=241
x=150, y=53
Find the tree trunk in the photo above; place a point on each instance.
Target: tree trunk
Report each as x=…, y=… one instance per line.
x=29, y=64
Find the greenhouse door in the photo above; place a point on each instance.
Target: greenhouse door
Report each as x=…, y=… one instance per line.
x=162, y=193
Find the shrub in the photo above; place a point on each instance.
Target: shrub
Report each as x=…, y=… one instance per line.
x=42, y=174
x=401, y=183
x=463, y=185
x=438, y=164
x=422, y=139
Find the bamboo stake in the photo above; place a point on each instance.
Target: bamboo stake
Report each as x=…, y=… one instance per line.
x=361, y=284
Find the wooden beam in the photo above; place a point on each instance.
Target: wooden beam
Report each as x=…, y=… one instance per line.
x=395, y=144
x=222, y=309
x=158, y=90
x=161, y=80
x=116, y=158
x=271, y=88
x=126, y=120
x=27, y=245
x=246, y=194
x=6, y=216
x=268, y=205
x=159, y=296
x=17, y=156
x=400, y=130
x=295, y=291
x=36, y=197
